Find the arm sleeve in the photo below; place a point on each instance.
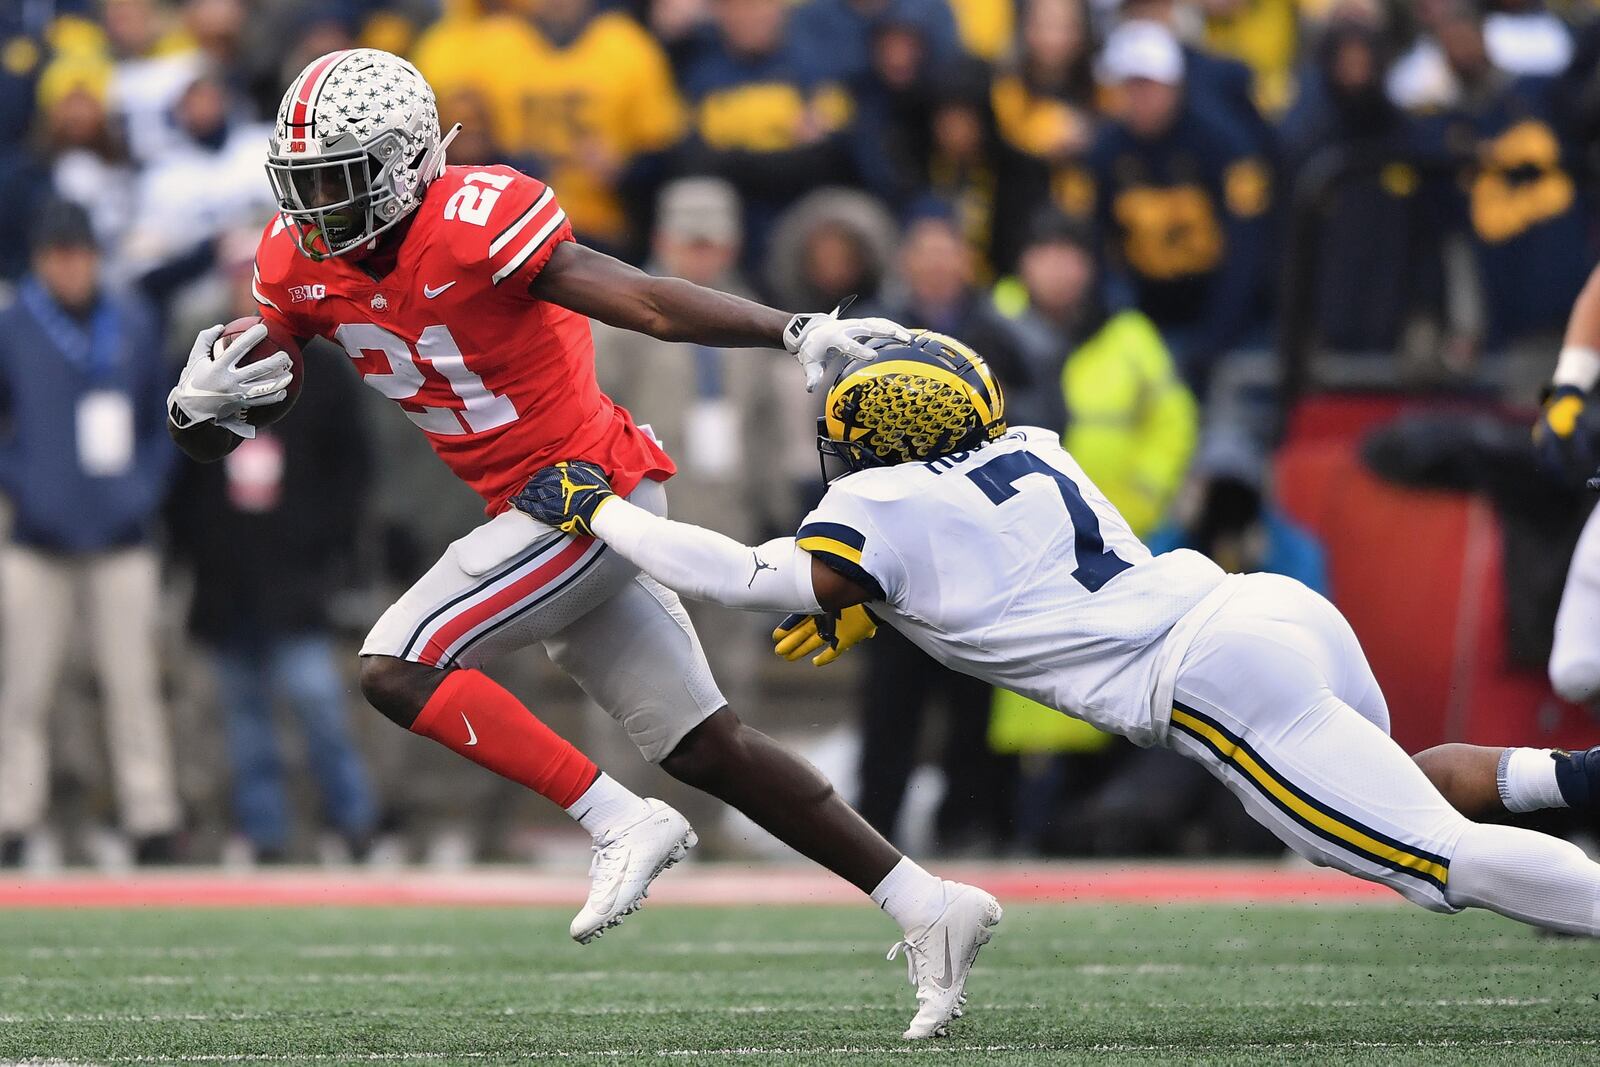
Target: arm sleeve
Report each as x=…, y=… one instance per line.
x=842, y=533
x=705, y=565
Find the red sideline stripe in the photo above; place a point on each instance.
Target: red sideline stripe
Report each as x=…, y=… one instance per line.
x=705, y=886
x=447, y=634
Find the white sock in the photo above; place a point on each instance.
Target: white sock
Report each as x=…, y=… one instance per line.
x=912, y=897
x=607, y=805
x=1527, y=876
x=1527, y=780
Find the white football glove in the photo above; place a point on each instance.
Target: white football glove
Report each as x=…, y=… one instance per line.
x=816, y=338
x=214, y=388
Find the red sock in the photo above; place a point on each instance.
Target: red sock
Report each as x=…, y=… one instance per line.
x=472, y=715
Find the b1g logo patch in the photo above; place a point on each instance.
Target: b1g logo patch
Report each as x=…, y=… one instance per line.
x=297, y=293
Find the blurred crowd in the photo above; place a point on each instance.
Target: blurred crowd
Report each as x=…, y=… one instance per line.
x=1110, y=199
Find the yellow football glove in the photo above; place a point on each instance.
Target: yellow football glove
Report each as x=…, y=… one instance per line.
x=800, y=635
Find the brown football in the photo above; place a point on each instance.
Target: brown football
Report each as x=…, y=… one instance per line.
x=276, y=341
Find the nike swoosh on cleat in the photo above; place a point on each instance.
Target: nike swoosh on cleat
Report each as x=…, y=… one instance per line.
x=949, y=971
x=430, y=292
x=472, y=739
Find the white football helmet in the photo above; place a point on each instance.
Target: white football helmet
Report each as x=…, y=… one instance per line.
x=355, y=146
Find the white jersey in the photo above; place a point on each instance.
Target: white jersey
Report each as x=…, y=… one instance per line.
x=1007, y=563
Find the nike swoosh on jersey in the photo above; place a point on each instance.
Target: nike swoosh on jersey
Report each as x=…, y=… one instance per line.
x=472, y=739
x=430, y=292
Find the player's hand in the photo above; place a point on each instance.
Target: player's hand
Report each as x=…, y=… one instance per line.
x=1563, y=436
x=815, y=339
x=833, y=633
x=215, y=388
x=566, y=496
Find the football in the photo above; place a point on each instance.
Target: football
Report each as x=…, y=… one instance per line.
x=276, y=341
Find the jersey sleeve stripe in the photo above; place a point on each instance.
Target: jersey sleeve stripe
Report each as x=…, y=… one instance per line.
x=815, y=545
x=836, y=531
x=255, y=290
x=848, y=568
x=506, y=235
x=531, y=247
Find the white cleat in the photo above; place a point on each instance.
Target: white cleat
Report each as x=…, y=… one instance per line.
x=939, y=959
x=625, y=862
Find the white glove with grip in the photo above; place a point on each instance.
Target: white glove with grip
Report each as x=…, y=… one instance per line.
x=816, y=338
x=215, y=388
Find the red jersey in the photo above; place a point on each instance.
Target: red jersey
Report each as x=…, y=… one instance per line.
x=501, y=382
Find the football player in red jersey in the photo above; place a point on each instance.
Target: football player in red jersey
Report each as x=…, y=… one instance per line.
x=459, y=293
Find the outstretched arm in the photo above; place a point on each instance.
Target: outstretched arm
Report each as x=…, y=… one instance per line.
x=601, y=287
x=699, y=563
x=595, y=284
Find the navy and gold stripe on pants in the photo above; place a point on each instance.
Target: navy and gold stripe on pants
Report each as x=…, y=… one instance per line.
x=1306, y=810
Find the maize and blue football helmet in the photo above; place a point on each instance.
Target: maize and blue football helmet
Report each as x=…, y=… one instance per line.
x=910, y=401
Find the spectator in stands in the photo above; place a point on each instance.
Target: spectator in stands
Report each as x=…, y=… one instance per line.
x=22, y=59
x=1378, y=253
x=270, y=534
x=767, y=116
x=1182, y=199
x=1525, y=210
x=843, y=30
x=84, y=462
x=972, y=168
x=1105, y=380
x=76, y=155
x=584, y=88
x=207, y=183
x=889, y=139
x=1044, y=104
x=1218, y=84
x=833, y=244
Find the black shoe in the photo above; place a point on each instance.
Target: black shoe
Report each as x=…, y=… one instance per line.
x=156, y=850
x=12, y=847
x=1578, y=777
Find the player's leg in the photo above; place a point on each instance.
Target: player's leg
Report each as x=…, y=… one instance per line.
x=504, y=586
x=1575, y=656
x=1253, y=703
x=36, y=604
x=638, y=657
x=1478, y=781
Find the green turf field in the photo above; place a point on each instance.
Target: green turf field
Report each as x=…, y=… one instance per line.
x=1059, y=985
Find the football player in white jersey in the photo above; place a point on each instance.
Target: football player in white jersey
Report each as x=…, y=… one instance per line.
x=991, y=549
x=1569, y=442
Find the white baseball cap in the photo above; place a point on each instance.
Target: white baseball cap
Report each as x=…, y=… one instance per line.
x=1141, y=49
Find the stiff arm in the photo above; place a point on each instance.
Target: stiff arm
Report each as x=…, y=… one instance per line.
x=705, y=565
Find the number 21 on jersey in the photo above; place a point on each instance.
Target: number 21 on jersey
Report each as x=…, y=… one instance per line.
x=998, y=479
x=476, y=410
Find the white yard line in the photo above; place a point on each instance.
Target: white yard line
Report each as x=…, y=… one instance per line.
x=920, y=1049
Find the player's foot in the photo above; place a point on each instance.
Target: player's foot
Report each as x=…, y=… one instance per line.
x=1578, y=777
x=625, y=862
x=939, y=958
